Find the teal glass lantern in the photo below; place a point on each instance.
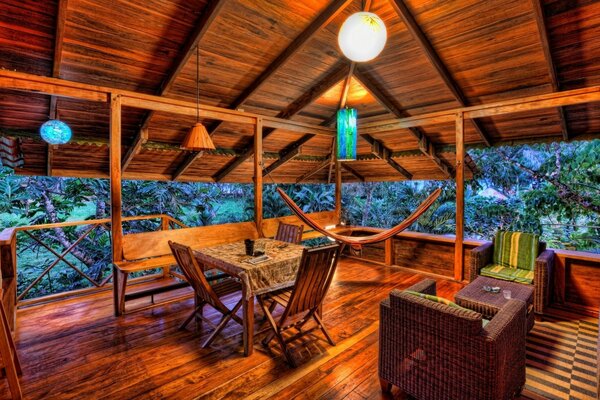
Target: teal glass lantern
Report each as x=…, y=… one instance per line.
x=55, y=131
x=346, y=134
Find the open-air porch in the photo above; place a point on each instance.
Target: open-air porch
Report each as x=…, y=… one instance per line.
x=259, y=92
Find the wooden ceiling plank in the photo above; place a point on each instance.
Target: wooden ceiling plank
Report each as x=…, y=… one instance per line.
x=315, y=171
x=206, y=18
x=425, y=45
x=352, y=171
x=384, y=153
x=338, y=73
x=538, y=12
x=322, y=20
x=385, y=100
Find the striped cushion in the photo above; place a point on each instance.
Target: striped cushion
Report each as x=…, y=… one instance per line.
x=516, y=249
x=508, y=274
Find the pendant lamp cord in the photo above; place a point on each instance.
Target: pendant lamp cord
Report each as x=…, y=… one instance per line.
x=198, y=83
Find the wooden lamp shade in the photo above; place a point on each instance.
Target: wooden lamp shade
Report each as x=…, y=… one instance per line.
x=198, y=139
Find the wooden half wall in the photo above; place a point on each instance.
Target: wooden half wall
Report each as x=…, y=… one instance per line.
x=576, y=273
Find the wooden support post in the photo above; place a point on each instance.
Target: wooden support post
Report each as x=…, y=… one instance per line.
x=115, y=196
x=164, y=226
x=460, y=197
x=389, y=251
x=258, y=176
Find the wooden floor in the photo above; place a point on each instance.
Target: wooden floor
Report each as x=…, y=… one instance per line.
x=77, y=349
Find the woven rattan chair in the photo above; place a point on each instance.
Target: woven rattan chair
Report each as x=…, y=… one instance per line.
x=314, y=276
x=289, y=233
x=433, y=351
x=542, y=281
x=205, y=292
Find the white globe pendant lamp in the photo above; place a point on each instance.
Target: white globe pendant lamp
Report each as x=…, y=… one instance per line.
x=362, y=36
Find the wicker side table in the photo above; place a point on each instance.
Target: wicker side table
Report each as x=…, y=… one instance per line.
x=488, y=304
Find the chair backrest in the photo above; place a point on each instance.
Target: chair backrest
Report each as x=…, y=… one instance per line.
x=195, y=275
x=516, y=249
x=289, y=233
x=313, y=279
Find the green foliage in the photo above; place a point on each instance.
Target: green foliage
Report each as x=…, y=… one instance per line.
x=551, y=189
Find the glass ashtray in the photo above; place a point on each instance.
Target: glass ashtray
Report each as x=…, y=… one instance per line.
x=492, y=289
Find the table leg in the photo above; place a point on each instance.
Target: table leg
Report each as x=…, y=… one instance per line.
x=248, y=309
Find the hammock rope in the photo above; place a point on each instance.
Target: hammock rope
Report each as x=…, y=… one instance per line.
x=358, y=241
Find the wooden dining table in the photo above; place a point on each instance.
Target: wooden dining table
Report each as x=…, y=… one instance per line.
x=278, y=272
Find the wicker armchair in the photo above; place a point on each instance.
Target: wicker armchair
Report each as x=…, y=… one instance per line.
x=435, y=351
x=543, y=272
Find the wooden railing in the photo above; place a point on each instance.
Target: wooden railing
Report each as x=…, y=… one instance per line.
x=576, y=273
x=63, y=243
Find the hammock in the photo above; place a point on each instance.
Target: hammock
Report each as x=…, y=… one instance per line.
x=359, y=241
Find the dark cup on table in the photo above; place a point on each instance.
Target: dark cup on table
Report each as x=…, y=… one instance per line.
x=249, y=243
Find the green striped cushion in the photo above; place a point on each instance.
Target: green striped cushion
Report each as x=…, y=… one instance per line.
x=508, y=274
x=516, y=249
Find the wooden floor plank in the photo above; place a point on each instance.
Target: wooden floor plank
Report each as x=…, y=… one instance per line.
x=77, y=349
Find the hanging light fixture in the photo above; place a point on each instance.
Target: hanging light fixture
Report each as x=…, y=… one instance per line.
x=198, y=138
x=362, y=36
x=346, y=134
x=54, y=131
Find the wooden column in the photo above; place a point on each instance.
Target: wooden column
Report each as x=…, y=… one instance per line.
x=460, y=197
x=115, y=196
x=258, y=176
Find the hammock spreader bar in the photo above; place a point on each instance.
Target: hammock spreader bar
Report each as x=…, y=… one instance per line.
x=358, y=241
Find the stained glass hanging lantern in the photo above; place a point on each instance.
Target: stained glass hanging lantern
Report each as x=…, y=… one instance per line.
x=346, y=134
x=55, y=131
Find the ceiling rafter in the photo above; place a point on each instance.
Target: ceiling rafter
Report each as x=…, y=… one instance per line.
x=288, y=154
x=425, y=45
x=207, y=16
x=321, y=21
x=338, y=73
x=425, y=145
x=381, y=151
x=540, y=20
x=352, y=171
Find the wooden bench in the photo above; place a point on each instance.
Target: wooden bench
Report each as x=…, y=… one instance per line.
x=150, y=250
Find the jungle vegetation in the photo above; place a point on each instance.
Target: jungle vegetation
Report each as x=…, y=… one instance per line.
x=551, y=189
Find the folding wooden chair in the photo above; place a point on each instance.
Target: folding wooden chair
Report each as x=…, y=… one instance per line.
x=313, y=279
x=205, y=292
x=289, y=233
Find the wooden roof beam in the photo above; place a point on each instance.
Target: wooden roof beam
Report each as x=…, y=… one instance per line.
x=208, y=15
x=538, y=12
x=352, y=171
x=288, y=154
x=425, y=144
x=410, y=22
x=382, y=152
x=333, y=78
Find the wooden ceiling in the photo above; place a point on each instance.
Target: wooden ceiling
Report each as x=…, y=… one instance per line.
x=280, y=58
